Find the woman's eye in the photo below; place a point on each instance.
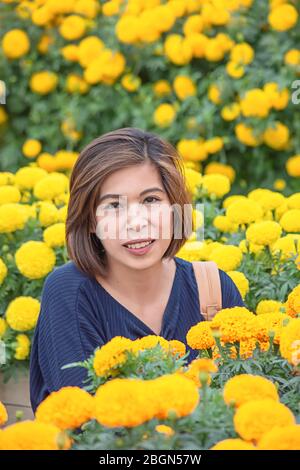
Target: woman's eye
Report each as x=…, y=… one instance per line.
x=111, y=205
x=152, y=197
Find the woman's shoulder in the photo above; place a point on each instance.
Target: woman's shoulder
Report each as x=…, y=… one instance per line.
x=230, y=293
x=65, y=279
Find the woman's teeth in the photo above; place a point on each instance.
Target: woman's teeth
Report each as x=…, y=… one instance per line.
x=139, y=245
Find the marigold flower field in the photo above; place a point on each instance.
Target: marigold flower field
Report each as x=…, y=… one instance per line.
x=220, y=80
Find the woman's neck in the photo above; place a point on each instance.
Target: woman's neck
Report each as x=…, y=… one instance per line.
x=142, y=286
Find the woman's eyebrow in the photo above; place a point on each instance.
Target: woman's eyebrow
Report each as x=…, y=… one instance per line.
x=116, y=196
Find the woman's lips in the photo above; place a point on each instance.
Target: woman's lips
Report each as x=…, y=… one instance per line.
x=140, y=251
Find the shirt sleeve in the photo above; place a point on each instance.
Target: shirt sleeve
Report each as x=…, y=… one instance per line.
x=231, y=296
x=64, y=334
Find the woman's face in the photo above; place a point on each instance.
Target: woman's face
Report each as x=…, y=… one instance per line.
x=134, y=205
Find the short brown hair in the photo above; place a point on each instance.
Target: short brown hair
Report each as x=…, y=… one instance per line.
x=106, y=154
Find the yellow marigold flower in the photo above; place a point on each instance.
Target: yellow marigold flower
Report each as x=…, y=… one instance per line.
x=178, y=49
x=214, y=145
x=234, y=70
x=48, y=213
x=235, y=324
x=67, y=408
x=268, y=199
x=173, y=393
x=240, y=281
x=44, y=43
x=213, y=50
x=290, y=221
x=34, y=259
x=230, y=112
x=163, y=429
x=231, y=199
x=164, y=115
x=221, y=168
x=12, y=217
x=55, y=235
x=22, y=348
x=9, y=194
x=127, y=29
x=290, y=342
x=293, y=201
x=227, y=257
x=255, y=103
x=216, y=184
x=242, y=53
x=6, y=178
x=87, y=8
x=279, y=184
x=3, y=414
x=177, y=347
x=292, y=57
x=162, y=88
x=111, y=355
x=72, y=27
x=277, y=136
x=247, y=136
x=193, y=179
x=279, y=98
x=42, y=16
x=254, y=418
x=149, y=341
x=62, y=214
x=74, y=84
x=283, y=438
x=222, y=223
x=22, y=313
x=244, y=211
x=293, y=302
x=263, y=233
x=51, y=186
x=269, y=306
x=271, y=323
x=26, y=177
x=3, y=327
x=124, y=402
x=233, y=444
x=200, y=336
x=111, y=8
x=192, y=149
x=43, y=82
x=287, y=246
x=33, y=435
x=65, y=159
x=214, y=94
x=190, y=250
x=198, y=366
x=293, y=166
x=70, y=52
x=131, y=82
x=15, y=43
x=184, y=87
x=89, y=49
x=283, y=17
x=31, y=148
x=243, y=388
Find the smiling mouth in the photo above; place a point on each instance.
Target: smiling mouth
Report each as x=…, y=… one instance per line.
x=144, y=245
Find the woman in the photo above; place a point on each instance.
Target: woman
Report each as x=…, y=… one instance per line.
x=128, y=200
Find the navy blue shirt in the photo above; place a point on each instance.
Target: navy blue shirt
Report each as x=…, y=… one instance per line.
x=78, y=315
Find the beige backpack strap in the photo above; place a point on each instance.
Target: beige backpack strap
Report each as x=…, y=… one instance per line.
x=209, y=287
